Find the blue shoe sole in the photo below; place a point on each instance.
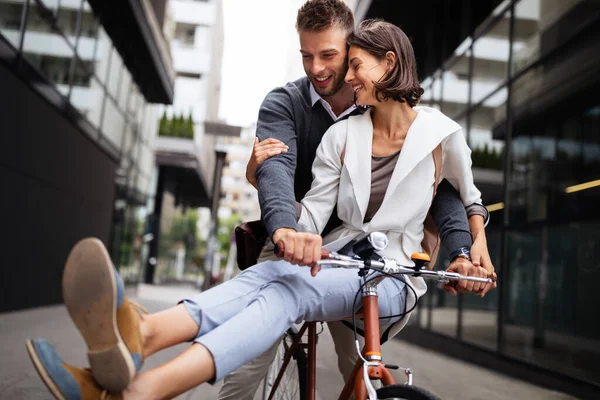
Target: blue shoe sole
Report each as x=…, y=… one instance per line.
x=42, y=371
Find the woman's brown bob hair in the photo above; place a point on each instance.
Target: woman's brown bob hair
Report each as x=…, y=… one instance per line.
x=377, y=37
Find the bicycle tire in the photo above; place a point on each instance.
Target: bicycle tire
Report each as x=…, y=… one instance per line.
x=293, y=384
x=404, y=392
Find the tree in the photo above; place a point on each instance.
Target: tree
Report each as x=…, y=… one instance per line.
x=173, y=128
x=190, y=126
x=183, y=230
x=164, y=126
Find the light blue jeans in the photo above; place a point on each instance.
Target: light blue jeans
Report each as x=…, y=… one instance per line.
x=241, y=318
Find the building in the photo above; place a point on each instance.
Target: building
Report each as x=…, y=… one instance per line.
x=238, y=196
x=188, y=165
x=522, y=79
x=79, y=81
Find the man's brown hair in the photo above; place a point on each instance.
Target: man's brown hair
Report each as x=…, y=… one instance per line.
x=318, y=15
x=377, y=37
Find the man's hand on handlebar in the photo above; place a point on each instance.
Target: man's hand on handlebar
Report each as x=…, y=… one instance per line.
x=300, y=248
x=466, y=268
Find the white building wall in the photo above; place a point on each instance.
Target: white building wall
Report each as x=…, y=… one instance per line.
x=193, y=12
x=192, y=49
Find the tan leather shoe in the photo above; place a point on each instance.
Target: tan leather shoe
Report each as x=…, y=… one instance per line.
x=109, y=323
x=65, y=381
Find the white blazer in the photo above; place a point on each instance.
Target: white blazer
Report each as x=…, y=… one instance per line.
x=408, y=196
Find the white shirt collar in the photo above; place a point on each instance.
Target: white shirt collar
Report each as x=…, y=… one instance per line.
x=314, y=98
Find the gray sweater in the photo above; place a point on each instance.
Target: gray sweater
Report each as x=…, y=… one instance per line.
x=287, y=114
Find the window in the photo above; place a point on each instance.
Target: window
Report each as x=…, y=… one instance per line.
x=185, y=34
x=10, y=21
x=47, y=49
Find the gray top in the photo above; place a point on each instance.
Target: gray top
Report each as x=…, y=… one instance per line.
x=382, y=168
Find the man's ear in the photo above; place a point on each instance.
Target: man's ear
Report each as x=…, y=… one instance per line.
x=390, y=58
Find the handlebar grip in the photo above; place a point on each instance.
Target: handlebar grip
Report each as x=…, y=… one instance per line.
x=279, y=251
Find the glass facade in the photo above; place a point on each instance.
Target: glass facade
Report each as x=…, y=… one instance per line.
x=524, y=87
x=80, y=67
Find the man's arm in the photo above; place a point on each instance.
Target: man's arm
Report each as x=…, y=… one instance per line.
x=456, y=231
x=450, y=217
x=275, y=176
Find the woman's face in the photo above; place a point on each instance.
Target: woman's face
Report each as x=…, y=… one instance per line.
x=363, y=70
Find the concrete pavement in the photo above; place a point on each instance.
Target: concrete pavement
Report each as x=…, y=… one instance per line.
x=446, y=377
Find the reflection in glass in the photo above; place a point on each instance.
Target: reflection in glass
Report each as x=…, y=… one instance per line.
x=87, y=46
x=128, y=146
x=552, y=298
x=480, y=316
x=456, y=84
x=67, y=19
x=101, y=51
x=539, y=26
x=113, y=123
x=10, y=21
x=526, y=43
x=130, y=229
x=427, y=97
x=444, y=311
x=591, y=144
x=115, y=70
x=134, y=102
x=47, y=50
x=51, y=4
x=436, y=89
x=490, y=59
x=569, y=152
x=124, y=90
x=87, y=94
x=487, y=119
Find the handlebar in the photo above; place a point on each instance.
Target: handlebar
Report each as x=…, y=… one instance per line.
x=390, y=266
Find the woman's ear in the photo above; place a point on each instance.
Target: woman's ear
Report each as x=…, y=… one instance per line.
x=390, y=58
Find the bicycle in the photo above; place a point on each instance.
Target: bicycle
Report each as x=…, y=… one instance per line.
x=301, y=383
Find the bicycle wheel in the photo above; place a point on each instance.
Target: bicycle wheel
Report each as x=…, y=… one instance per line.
x=404, y=392
x=293, y=383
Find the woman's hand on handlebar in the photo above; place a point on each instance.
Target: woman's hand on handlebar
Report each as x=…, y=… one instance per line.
x=481, y=257
x=466, y=268
x=300, y=248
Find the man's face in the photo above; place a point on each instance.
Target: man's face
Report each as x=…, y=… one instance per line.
x=324, y=59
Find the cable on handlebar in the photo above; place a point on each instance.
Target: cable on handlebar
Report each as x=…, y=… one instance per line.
x=377, y=276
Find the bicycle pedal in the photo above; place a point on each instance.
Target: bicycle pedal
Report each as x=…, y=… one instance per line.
x=390, y=366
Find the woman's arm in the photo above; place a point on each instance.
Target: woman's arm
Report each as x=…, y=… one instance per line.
x=456, y=168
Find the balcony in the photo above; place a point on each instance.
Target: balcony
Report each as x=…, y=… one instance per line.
x=193, y=12
x=190, y=59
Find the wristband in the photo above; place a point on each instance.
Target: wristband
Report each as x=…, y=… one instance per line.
x=463, y=252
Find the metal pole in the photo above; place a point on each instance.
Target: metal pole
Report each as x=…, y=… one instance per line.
x=504, y=270
x=211, y=243
x=155, y=228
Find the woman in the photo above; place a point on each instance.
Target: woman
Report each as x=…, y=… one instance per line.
x=238, y=320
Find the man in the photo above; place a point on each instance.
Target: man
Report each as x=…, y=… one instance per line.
x=291, y=122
